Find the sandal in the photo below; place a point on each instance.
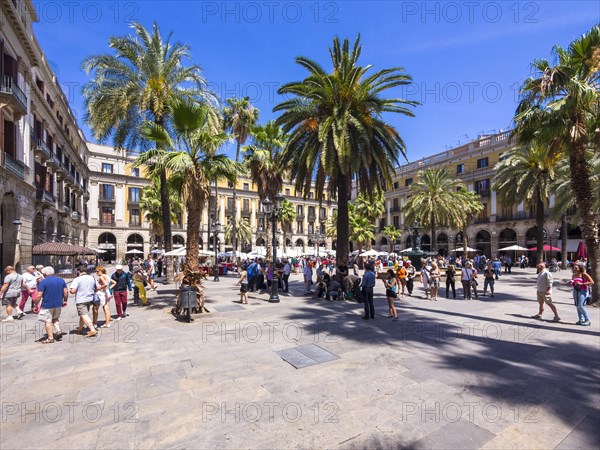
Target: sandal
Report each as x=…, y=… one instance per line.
x=47, y=341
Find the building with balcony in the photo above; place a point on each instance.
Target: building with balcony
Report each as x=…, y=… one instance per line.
x=497, y=226
x=43, y=153
x=118, y=225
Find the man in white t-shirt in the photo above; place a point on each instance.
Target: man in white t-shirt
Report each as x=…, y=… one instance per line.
x=29, y=288
x=286, y=276
x=84, y=288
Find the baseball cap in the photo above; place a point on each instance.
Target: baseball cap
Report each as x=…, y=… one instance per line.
x=118, y=267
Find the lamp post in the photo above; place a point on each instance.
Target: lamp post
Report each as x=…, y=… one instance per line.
x=274, y=211
x=216, y=229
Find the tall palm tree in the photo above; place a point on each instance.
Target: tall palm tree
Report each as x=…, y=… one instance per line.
x=194, y=157
x=150, y=204
x=337, y=130
x=263, y=160
x=240, y=117
x=287, y=217
x=527, y=173
x=435, y=201
x=136, y=84
x=560, y=107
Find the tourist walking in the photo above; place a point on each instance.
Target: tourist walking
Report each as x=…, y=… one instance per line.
x=120, y=283
x=29, y=288
x=105, y=296
x=496, y=265
x=10, y=292
x=367, y=284
x=488, y=279
x=307, y=279
x=410, y=277
x=151, y=273
x=51, y=296
x=139, y=284
x=401, y=272
x=467, y=275
x=426, y=279
x=450, y=281
x=435, y=276
x=581, y=283
x=84, y=289
x=391, y=292
x=243, y=283
x=544, y=292
x=286, y=276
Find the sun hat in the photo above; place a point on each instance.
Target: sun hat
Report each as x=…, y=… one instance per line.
x=118, y=267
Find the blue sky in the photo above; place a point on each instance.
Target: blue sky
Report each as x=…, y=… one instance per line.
x=467, y=58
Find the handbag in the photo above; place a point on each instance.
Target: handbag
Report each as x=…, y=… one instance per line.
x=96, y=298
x=474, y=282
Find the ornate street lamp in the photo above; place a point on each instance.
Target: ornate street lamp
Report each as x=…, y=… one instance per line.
x=273, y=212
x=216, y=229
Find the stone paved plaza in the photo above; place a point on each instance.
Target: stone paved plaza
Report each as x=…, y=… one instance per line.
x=451, y=374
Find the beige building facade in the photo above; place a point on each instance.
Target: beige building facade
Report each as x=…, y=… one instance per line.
x=119, y=227
x=43, y=153
x=497, y=226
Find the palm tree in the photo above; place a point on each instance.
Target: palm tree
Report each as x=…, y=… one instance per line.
x=244, y=231
x=337, y=130
x=150, y=204
x=287, y=216
x=263, y=160
x=527, y=173
x=137, y=84
x=372, y=207
x=361, y=231
x=240, y=117
x=193, y=157
x=560, y=108
x=392, y=233
x=435, y=201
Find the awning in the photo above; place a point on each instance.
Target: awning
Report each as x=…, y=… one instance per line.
x=61, y=249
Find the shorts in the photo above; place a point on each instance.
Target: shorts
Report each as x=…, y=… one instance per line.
x=391, y=293
x=104, y=299
x=83, y=308
x=435, y=282
x=243, y=288
x=403, y=281
x=48, y=315
x=543, y=298
x=9, y=301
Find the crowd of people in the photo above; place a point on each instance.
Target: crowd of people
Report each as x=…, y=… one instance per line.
x=94, y=289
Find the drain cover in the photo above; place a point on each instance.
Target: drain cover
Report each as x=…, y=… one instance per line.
x=229, y=308
x=306, y=355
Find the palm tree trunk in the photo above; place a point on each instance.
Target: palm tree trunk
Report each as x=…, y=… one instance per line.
x=433, y=243
x=166, y=211
x=234, y=219
x=539, y=222
x=194, y=215
x=343, y=223
x=564, y=232
x=581, y=185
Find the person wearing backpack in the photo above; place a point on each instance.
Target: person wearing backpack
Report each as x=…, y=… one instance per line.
x=10, y=292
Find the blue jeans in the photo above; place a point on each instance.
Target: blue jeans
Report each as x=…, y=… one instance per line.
x=579, y=298
x=488, y=282
x=497, y=272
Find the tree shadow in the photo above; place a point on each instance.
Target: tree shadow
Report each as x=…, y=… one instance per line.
x=501, y=361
